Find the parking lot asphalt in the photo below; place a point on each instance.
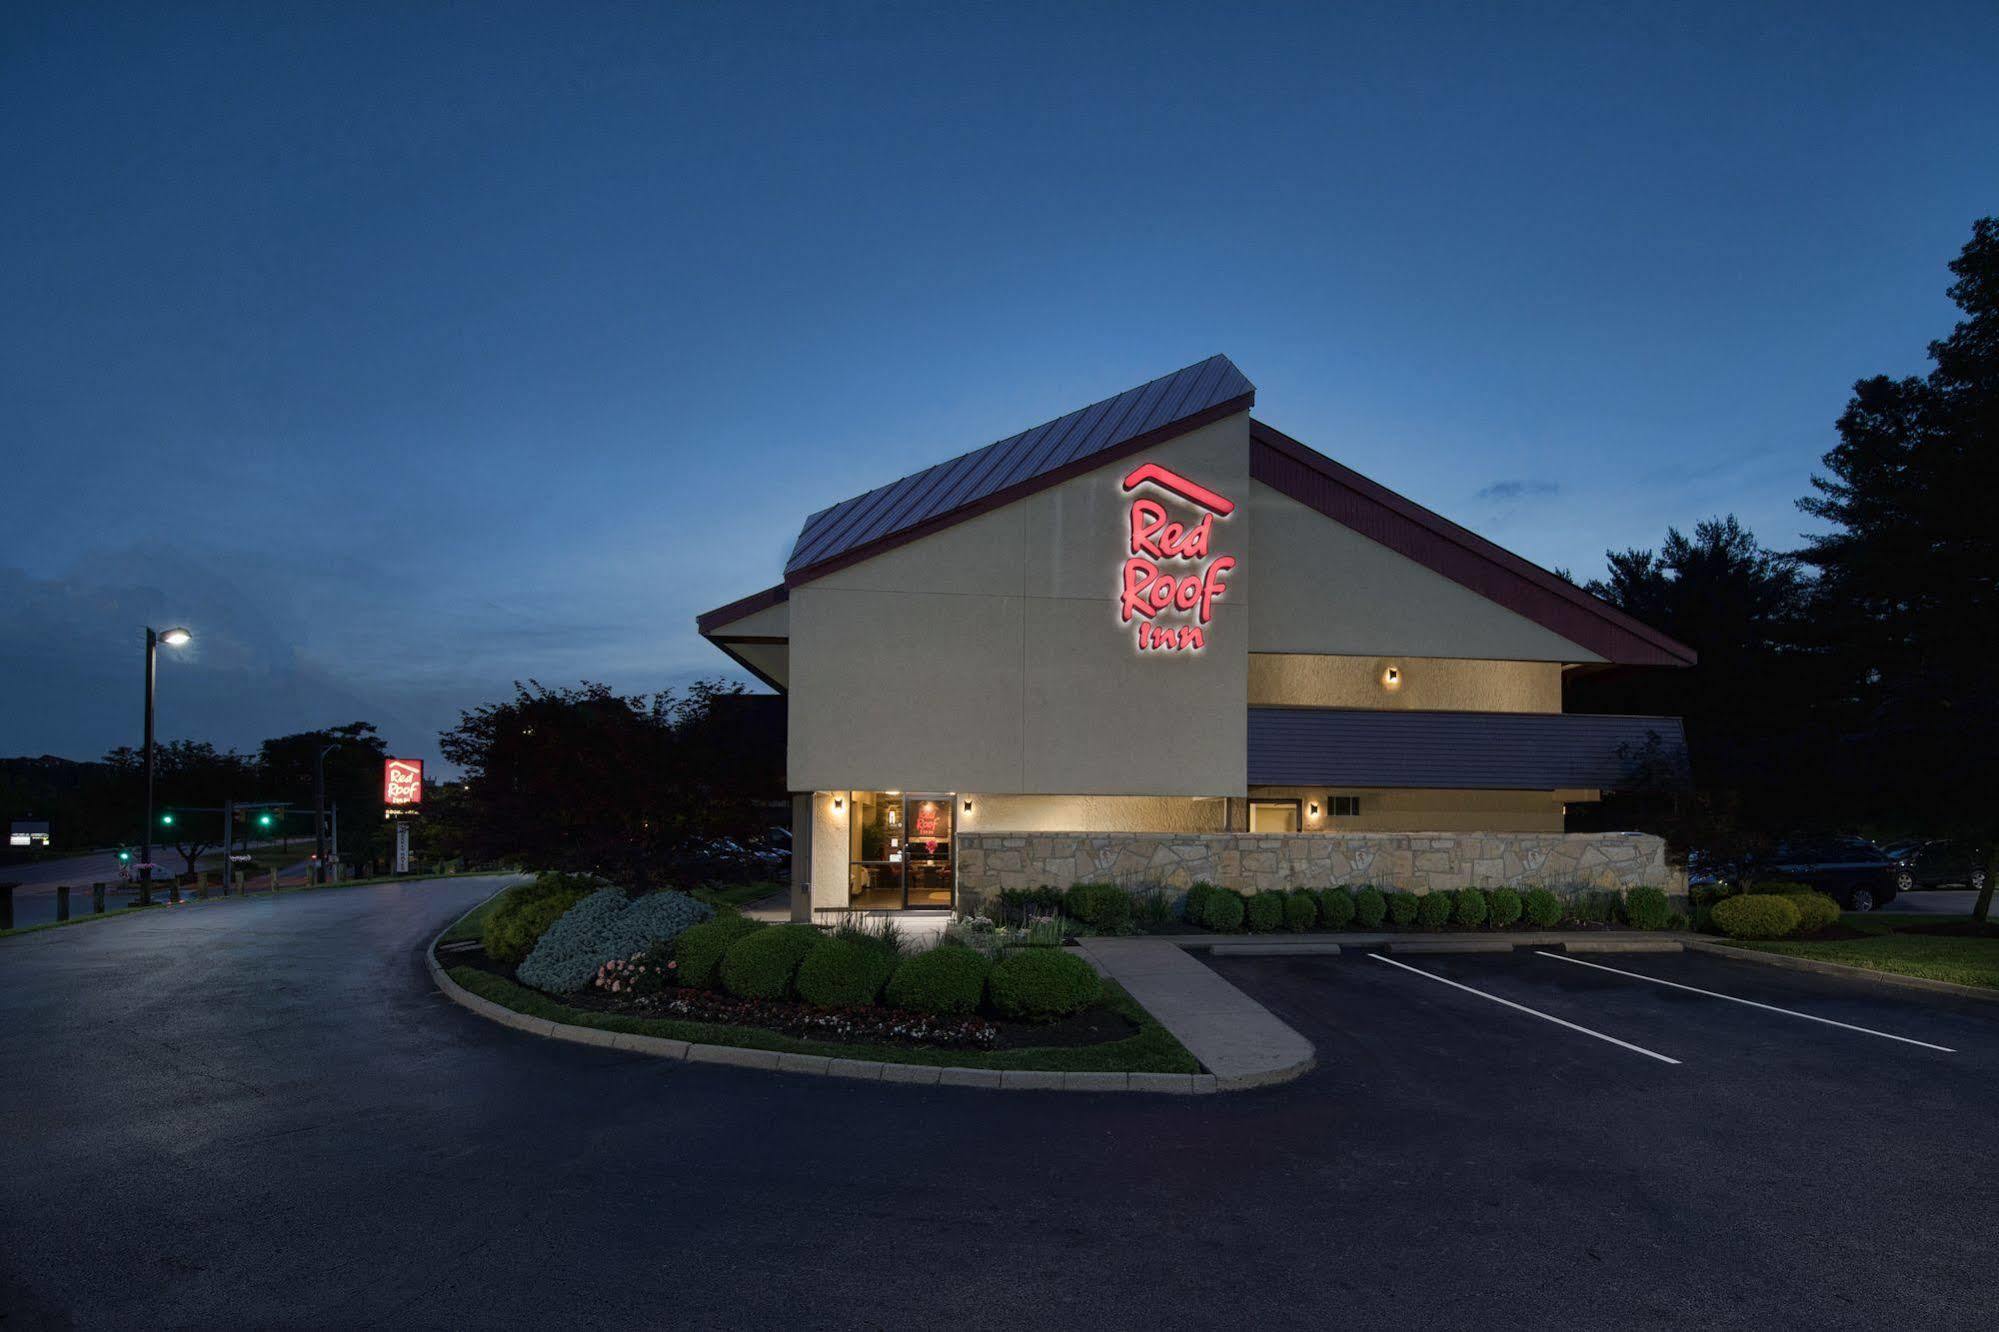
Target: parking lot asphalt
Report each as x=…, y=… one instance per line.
x=264, y=1116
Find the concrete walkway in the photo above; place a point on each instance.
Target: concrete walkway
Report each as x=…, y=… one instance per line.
x=1235, y=1038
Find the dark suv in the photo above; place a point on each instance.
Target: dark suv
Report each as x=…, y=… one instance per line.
x=1854, y=872
x=1934, y=863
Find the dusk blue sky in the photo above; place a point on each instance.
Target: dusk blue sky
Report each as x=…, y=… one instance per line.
x=403, y=350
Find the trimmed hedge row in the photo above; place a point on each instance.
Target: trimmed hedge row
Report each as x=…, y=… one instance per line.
x=1225, y=911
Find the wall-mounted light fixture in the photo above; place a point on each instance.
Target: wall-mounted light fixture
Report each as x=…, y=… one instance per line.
x=1392, y=677
x=838, y=804
x=1314, y=807
x=968, y=806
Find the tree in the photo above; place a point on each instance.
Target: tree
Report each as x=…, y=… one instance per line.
x=1909, y=576
x=584, y=779
x=1746, y=702
x=353, y=777
x=191, y=784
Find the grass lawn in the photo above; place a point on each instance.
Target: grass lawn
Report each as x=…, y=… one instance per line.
x=1151, y=1049
x=1891, y=947
x=472, y=924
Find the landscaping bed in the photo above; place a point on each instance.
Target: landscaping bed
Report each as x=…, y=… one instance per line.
x=571, y=950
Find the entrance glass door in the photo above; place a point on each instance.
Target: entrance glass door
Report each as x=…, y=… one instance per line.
x=900, y=850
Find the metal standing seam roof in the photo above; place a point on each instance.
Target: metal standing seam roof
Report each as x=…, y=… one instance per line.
x=1019, y=460
x=1477, y=750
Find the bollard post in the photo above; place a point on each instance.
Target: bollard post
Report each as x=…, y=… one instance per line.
x=201, y=889
x=96, y=899
x=6, y=906
x=62, y=901
x=274, y=878
x=173, y=895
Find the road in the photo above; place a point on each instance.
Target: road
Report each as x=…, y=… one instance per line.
x=35, y=898
x=259, y=1113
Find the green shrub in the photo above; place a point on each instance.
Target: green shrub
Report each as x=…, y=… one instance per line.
x=1222, y=911
x=1543, y=908
x=1263, y=912
x=1588, y=906
x=761, y=964
x=1104, y=906
x=1301, y=912
x=1041, y=984
x=1336, y=908
x=1756, y=916
x=1677, y=921
x=1471, y=908
x=1647, y=908
x=1370, y=908
x=947, y=981
x=1196, y=906
x=603, y=926
x=1815, y=910
x=1402, y=909
x=1433, y=910
x=844, y=973
x=1502, y=907
x=697, y=954
x=1018, y=902
x=516, y=925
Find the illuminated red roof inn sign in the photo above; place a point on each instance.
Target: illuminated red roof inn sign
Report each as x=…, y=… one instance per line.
x=1171, y=581
x=402, y=783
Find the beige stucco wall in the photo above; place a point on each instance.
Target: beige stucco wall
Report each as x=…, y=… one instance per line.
x=989, y=656
x=1325, y=588
x=1431, y=684
x=1414, y=810
x=1025, y=813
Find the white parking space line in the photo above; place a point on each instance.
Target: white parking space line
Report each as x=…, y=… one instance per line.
x=1716, y=994
x=1534, y=1012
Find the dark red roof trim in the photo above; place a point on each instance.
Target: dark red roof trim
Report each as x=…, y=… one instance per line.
x=709, y=621
x=1464, y=557
x=999, y=499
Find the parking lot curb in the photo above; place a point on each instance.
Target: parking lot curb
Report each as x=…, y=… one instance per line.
x=1988, y=994
x=1624, y=946
x=1275, y=950
x=866, y=1070
x=1434, y=946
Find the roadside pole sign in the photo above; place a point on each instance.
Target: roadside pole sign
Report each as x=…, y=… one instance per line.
x=402, y=846
x=402, y=786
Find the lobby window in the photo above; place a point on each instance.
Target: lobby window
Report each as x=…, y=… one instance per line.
x=899, y=850
x=1344, y=807
x=1273, y=816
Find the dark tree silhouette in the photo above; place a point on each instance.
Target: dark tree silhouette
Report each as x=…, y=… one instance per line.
x=1908, y=610
x=188, y=775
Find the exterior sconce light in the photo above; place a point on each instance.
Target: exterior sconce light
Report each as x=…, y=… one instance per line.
x=1315, y=809
x=838, y=804
x=968, y=806
x=1392, y=677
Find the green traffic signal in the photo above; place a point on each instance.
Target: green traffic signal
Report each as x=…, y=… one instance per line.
x=125, y=855
x=167, y=819
x=265, y=820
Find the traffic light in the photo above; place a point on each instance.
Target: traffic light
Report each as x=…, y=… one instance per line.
x=266, y=819
x=124, y=857
x=167, y=819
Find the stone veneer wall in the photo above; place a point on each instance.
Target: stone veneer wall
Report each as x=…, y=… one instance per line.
x=1259, y=862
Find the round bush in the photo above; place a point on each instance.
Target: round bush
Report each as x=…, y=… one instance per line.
x=1196, y=905
x=1402, y=908
x=602, y=926
x=1756, y=916
x=843, y=973
x=1502, y=907
x=1471, y=909
x=760, y=965
x=1263, y=912
x=1336, y=908
x=1647, y=908
x=1433, y=909
x=1370, y=908
x=1041, y=984
x=1815, y=910
x=1104, y=906
x=1300, y=911
x=947, y=981
x=516, y=925
x=697, y=954
x=1543, y=909
x=1223, y=911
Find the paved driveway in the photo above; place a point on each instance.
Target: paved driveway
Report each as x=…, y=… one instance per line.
x=256, y=1112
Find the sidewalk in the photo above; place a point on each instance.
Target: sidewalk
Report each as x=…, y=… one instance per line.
x=1234, y=1037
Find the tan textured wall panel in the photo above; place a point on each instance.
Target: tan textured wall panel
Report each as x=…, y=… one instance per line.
x=1429, y=684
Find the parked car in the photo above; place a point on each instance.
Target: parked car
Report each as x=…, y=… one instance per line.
x=1854, y=872
x=1940, y=863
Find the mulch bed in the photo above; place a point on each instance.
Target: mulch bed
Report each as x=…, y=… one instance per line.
x=1094, y=1026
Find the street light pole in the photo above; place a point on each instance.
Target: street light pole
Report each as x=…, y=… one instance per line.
x=319, y=812
x=172, y=638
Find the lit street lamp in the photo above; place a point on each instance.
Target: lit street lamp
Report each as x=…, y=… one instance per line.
x=172, y=638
